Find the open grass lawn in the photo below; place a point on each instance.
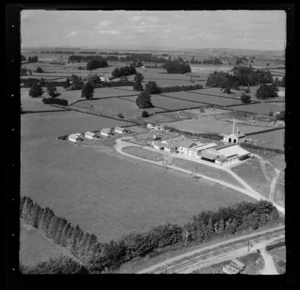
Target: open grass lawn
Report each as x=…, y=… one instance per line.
x=273, y=139
x=264, y=108
x=251, y=172
x=209, y=124
x=143, y=153
x=279, y=257
x=206, y=170
x=35, y=247
x=104, y=192
x=202, y=96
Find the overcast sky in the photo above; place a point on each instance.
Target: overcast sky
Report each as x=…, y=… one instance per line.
x=165, y=29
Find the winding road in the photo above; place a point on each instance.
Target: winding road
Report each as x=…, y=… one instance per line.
x=247, y=189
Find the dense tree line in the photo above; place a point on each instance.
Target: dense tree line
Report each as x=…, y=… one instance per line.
x=252, y=146
x=32, y=59
x=81, y=58
x=211, y=136
x=23, y=58
x=27, y=83
x=96, y=63
x=60, y=265
x=176, y=66
x=97, y=256
x=87, y=52
x=25, y=72
x=58, y=51
x=279, y=83
x=144, y=58
x=214, y=60
x=55, y=101
x=242, y=76
x=180, y=88
x=123, y=71
x=112, y=58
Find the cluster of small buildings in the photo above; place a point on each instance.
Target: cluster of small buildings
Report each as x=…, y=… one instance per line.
x=95, y=135
x=211, y=152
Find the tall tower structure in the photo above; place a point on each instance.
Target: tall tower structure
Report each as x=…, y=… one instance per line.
x=233, y=125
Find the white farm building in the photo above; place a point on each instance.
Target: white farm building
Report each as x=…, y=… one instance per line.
x=121, y=130
x=235, y=137
x=75, y=137
x=90, y=135
x=106, y=132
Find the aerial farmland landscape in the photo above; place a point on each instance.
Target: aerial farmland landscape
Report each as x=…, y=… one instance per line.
x=152, y=159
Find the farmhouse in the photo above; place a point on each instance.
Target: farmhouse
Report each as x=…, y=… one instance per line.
x=75, y=137
x=158, y=127
x=90, y=135
x=234, y=137
x=234, y=152
x=106, y=132
x=184, y=146
x=121, y=130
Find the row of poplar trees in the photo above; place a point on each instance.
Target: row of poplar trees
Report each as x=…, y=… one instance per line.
x=98, y=256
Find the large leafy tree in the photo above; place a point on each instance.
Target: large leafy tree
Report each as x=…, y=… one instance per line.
x=96, y=63
x=51, y=89
x=67, y=83
x=35, y=91
x=87, y=91
x=267, y=92
x=138, y=87
x=23, y=58
x=138, y=78
x=152, y=88
x=144, y=100
x=246, y=99
x=94, y=80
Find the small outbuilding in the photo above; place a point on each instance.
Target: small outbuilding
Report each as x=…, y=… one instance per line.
x=121, y=130
x=106, y=132
x=75, y=137
x=150, y=126
x=90, y=135
x=209, y=155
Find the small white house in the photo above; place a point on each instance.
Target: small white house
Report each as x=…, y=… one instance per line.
x=104, y=79
x=150, y=126
x=120, y=130
x=106, y=132
x=75, y=137
x=90, y=135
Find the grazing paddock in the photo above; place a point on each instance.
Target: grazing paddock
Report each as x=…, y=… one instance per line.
x=273, y=139
x=207, y=124
x=102, y=191
x=200, y=96
x=206, y=170
x=112, y=107
x=252, y=173
x=263, y=108
x=36, y=248
x=172, y=103
x=142, y=153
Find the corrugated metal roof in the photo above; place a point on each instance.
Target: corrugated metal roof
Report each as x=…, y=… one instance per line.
x=205, y=146
x=233, y=150
x=208, y=155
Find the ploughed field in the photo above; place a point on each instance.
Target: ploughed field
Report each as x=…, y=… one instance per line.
x=102, y=191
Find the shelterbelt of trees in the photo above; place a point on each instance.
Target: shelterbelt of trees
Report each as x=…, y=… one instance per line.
x=99, y=256
x=242, y=76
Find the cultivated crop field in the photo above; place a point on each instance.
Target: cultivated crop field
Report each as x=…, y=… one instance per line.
x=206, y=170
x=253, y=174
x=264, y=108
x=105, y=193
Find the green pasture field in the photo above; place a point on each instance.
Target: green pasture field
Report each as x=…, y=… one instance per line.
x=206, y=170
x=263, y=108
x=273, y=139
x=251, y=172
x=143, y=153
x=201, y=97
x=207, y=124
x=102, y=191
x=114, y=106
x=35, y=247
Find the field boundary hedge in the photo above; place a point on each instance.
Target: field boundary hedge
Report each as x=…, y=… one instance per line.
x=99, y=257
x=56, y=101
